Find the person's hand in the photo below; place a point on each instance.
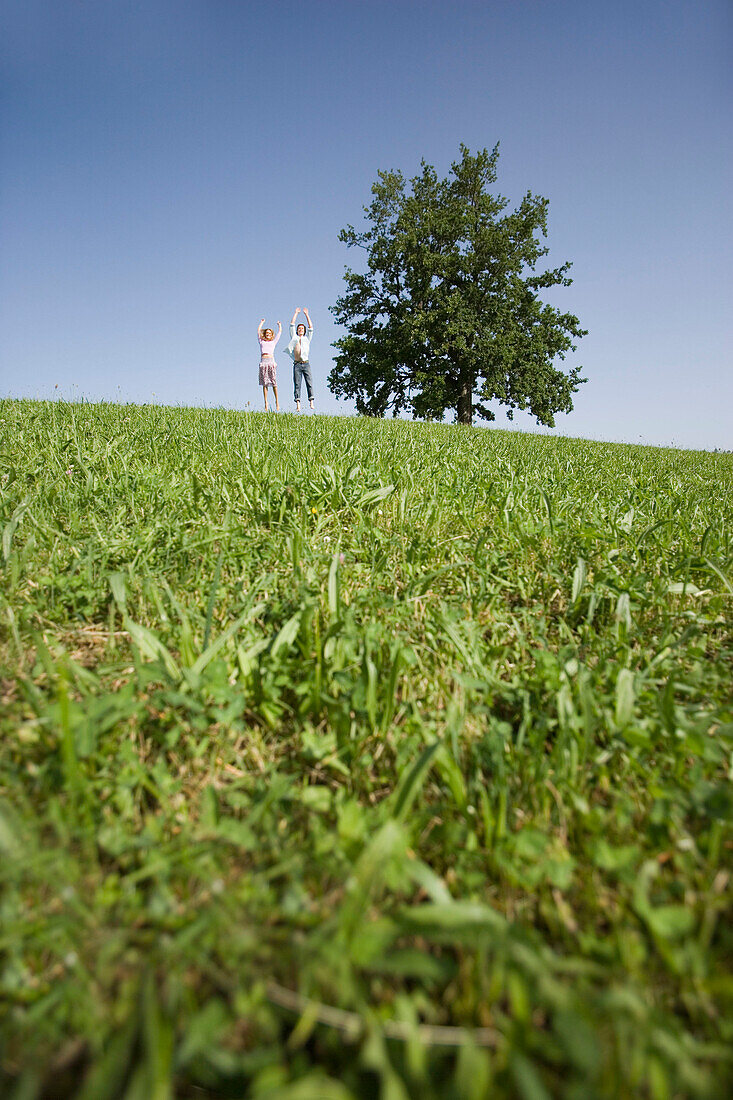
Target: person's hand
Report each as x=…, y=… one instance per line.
x=297, y=309
x=262, y=320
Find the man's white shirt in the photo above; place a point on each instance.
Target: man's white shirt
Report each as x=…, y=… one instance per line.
x=305, y=343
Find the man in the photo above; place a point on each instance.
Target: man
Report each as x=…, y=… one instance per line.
x=299, y=351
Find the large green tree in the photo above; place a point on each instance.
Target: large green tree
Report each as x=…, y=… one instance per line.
x=448, y=313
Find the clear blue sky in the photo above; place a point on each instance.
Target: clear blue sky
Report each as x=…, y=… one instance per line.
x=171, y=170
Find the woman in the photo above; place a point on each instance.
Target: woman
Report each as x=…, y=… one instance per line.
x=268, y=366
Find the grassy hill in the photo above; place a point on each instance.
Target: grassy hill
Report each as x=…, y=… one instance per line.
x=344, y=758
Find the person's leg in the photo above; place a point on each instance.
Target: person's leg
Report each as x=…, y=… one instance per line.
x=264, y=393
x=308, y=382
x=277, y=403
x=296, y=385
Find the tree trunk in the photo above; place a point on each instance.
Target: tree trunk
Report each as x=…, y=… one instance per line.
x=465, y=402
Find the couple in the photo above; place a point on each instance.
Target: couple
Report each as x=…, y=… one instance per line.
x=298, y=349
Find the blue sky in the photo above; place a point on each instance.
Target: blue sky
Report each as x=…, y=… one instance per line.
x=171, y=170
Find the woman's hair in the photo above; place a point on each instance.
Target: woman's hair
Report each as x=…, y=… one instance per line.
x=265, y=332
x=299, y=327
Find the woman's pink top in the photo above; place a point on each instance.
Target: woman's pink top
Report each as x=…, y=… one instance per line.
x=267, y=347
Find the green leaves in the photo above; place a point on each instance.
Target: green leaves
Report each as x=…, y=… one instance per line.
x=287, y=634
x=11, y=527
x=579, y=577
x=625, y=697
x=412, y=781
x=388, y=844
x=373, y=496
x=119, y=590
x=151, y=647
x=454, y=919
x=667, y=921
x=340, y=712
x=670, y=922
x=448, y=316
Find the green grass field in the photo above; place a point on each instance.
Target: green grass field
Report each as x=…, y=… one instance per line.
x=345, y=758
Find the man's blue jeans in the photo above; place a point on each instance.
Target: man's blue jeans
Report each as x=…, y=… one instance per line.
x=302, y=370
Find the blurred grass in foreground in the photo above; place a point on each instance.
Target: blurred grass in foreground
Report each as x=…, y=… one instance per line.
x=345, y=758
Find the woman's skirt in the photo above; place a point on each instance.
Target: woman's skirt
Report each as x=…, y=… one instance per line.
x=267, y=372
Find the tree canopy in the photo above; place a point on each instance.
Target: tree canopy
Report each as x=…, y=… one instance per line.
x=448, y=313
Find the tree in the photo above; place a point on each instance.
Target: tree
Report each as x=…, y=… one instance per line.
x=448, y=313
